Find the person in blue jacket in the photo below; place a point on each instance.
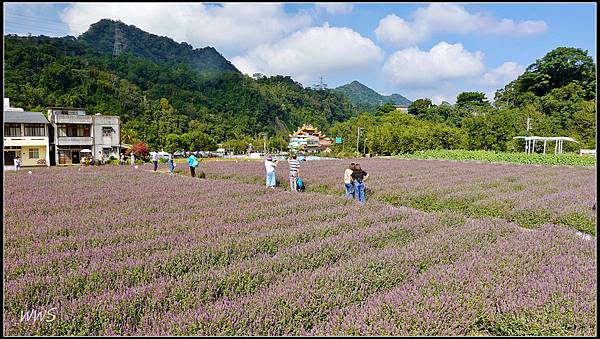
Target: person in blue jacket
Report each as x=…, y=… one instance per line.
x=193, y=163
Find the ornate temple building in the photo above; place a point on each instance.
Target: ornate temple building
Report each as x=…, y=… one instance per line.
x=308, y=139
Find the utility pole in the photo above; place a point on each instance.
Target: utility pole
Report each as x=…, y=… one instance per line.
x=264, y=142
x=358, y=138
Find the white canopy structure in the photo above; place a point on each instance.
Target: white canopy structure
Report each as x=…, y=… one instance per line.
x=530, y=143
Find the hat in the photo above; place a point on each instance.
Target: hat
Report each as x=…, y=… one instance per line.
x=270, y=158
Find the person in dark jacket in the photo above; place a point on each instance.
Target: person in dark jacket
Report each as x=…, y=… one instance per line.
x=359, y=177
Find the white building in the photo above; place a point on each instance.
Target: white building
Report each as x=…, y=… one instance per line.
x=26, y=135
x=77, y=134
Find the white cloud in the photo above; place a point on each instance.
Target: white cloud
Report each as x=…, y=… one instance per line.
x=426, y=69
x=309, y=53
x=232, y=27
x=502, y=75
x=335, y=8
x=448, y=18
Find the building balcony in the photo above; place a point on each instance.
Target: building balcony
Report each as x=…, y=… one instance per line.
x=72, y=119
x=25, y=141
x=63, y=141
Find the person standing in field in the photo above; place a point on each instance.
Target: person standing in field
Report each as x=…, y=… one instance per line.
x=193, y=163
x=294, y=172
x=17, y=162
x=121, y=159
x=270, y=165
x=100, y=158
x=359, y=176
x=132, y=159
x=155, y=161
x=348, y=183
x=171, y=164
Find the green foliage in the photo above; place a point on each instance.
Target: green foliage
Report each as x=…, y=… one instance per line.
x=566, y=159
x=419, y=107
x=395, y=132
x=580, y=221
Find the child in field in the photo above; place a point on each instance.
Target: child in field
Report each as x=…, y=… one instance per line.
x=155, y=161
x=348, y=183
x=17, y=162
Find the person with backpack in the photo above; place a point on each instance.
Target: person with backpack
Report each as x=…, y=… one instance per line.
x=294, y=172
x=193, y=163
x=270, y=165
x=348, y=183
x=359, y=176
x=171, y=164
x=155, y=161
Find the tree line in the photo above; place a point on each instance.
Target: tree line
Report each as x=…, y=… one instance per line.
x=556, y=94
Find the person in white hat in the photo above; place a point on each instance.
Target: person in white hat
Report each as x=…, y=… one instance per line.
x=270, y=165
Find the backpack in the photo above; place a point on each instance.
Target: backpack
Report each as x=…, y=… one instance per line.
x=300, y=185
x=195, y=162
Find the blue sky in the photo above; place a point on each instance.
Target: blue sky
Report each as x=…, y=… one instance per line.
x=433, y=50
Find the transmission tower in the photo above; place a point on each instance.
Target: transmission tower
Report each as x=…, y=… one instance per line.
x=321, y=84
x=118, y=45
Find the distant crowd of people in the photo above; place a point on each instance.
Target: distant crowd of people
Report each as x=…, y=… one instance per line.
x=354, y=175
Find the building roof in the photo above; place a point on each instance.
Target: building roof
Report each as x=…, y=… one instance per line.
x=25, y=117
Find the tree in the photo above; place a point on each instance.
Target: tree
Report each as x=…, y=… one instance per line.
x=140, y=150
x=419, y=107
x=199, y=141
x=560, y=67
x=466, y=99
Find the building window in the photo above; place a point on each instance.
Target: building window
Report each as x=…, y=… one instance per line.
x=12, y=130
x=34, y=153
x=74, y=130
x=37, y=130
x=107, y=131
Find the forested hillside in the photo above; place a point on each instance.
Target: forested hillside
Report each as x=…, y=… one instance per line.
x=367, y=99
x=103, y=34
x=167, y=102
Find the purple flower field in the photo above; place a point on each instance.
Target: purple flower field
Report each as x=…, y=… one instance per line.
x=529, y=195
x=119, y=251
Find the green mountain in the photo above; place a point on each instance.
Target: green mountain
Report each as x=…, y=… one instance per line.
x=130, y=39
x=162, y=90
x=367, y=99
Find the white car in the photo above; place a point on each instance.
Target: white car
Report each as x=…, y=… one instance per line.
x=160, y=155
